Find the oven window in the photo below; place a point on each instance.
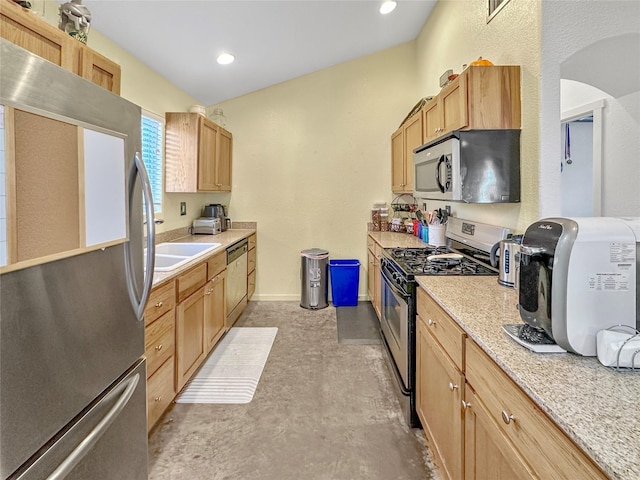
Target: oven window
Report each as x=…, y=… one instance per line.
x=394, y=311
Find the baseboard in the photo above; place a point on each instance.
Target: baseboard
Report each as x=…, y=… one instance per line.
x=284, y=297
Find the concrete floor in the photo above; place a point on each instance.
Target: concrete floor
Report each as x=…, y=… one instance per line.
x=322, y=410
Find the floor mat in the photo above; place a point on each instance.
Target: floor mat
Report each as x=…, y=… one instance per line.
x=232, y=372
x=358, y=325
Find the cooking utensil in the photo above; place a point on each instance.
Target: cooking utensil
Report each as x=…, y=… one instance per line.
x=452, y=256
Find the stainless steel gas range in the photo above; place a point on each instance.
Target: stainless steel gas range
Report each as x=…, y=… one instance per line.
x=466, y=253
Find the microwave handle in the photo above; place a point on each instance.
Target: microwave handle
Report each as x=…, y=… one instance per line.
x=441, y=160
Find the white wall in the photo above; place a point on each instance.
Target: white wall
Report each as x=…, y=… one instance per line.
x=311, y=156
x=598, y=42
x=457, y=33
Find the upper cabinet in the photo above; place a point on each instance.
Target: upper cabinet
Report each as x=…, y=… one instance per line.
x=403, y=141
x=481, y=97
x=33, y=33
x=198, y=154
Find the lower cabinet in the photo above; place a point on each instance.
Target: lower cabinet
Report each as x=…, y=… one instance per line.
x=374, y=253
x=214, y=311
x=190, y=344
x=440, y=389
x=478, y=422
x=184, y=320
x=488, y=454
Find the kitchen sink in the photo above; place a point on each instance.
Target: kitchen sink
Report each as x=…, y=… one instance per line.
x=184, y=249
x=170, y=256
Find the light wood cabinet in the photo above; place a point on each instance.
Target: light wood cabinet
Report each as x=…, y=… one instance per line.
x=489, y=455
x=45, y=40
x=440, y=387
x=251, y=266
x=486, y=428
x=159, y=340
x=160, y=392
x=373, y=274
x=190, y=336
x=99, y=69
x=198, y=154
x=403, y=142
x=214, y=310
x=481, y=97
x=546, y=449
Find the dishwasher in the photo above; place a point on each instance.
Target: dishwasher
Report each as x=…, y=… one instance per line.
x=236, y=281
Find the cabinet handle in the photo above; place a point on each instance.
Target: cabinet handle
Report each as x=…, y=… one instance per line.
x=157, y=399
x=431, y=322
x=506, y=418
x=452, y=386
x=465, y=405
x=159, y=347
x=159, y=304
x=208, y=292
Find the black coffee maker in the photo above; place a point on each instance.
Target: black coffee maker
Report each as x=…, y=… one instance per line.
x=216, y=210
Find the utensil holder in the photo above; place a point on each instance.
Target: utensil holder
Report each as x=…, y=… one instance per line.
x=437, y=236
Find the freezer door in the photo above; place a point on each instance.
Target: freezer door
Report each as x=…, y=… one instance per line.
x=108, y=441
x=67, y=332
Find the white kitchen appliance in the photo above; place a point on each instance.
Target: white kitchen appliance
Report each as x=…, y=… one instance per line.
x=577, y=276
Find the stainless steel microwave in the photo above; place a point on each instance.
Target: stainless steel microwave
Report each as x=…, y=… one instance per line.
x=472, y=166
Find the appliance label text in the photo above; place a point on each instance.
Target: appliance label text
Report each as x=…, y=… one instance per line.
x=621, y=252
x=609, y=281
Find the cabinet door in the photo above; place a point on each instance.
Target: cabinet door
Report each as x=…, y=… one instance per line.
x=36, y=35
x=439, y=394
x=412, y=140
x=160, y=392
x=454, y=105
x=371, y=274
x=432, y=127
x=489, y=455
x=397, y=160
x=190, y=344
x=100, y=70
x=208, y=136
x=223, y=174
x=214, y=310
x=377, y=283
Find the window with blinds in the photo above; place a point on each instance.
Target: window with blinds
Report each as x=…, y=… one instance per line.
x=152, y=135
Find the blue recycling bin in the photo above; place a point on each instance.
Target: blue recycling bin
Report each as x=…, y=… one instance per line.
x=345, y=275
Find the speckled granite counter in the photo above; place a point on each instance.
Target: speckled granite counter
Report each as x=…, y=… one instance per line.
x=225, y=239
x=393, y=240
x=597, y=407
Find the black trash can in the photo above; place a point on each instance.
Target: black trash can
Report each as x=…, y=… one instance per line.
x=314, y=269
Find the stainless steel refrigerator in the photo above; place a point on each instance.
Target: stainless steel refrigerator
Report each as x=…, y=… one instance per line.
x=72, y=281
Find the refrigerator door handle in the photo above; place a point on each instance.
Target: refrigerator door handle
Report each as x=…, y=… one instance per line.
x=78, y=453
x=138, y=168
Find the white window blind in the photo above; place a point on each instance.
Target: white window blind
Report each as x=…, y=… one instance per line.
x=152, y=134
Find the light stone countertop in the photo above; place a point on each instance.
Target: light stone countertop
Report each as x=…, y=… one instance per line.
x=597, y=407
x=395, y=240
x=226, y=239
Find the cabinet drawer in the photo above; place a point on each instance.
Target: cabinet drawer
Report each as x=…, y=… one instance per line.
x=216, y=264
x=191, y=281
x=251, y=260
x=252, y=241
x=160, y=392
x=442, y=327
x=524, y=423
x=159, y=341
x=161, y=300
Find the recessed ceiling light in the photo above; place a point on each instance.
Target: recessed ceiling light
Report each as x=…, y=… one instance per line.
x=388, y=7
x=225, y=58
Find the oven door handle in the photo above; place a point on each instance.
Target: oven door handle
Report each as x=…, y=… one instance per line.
x=395, y=289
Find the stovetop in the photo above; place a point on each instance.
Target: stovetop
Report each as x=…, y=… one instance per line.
x=439, y=261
